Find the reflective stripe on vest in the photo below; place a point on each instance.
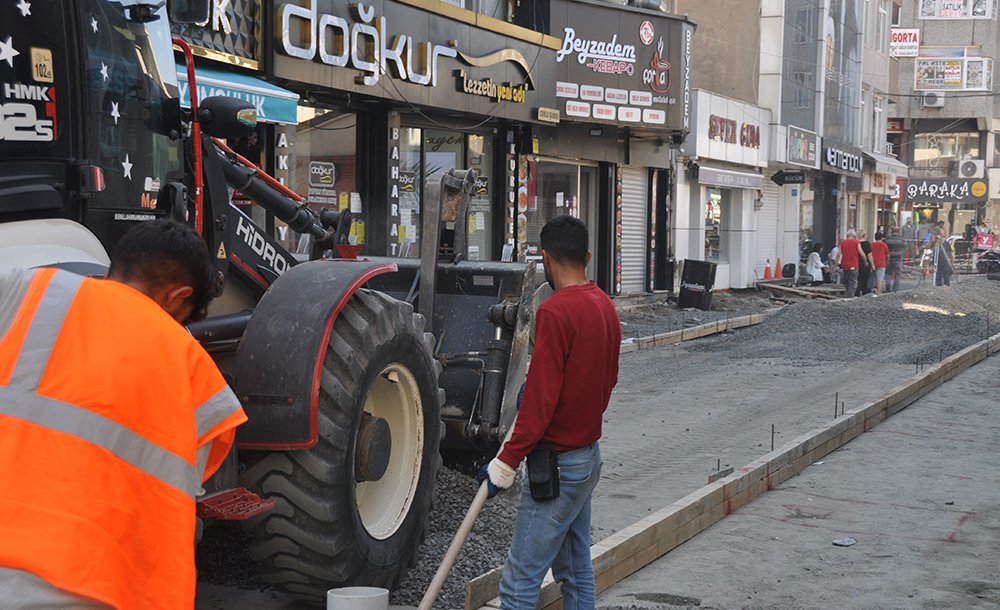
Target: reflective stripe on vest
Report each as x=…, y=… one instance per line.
x=44, y=330
x=214, y=411
x=20, y=400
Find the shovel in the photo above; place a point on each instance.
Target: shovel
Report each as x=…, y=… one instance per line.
x=430, y=596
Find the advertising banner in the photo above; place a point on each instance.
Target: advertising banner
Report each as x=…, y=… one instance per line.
x=623, y=66
x=904, y=42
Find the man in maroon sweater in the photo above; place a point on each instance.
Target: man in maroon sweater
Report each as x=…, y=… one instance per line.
x=573, y=370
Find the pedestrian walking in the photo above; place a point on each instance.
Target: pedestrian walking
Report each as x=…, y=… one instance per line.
x=908, y=233
x=832, y=259
x=897, y=249
x=111, y=416
x=573, y=370
x=866, y=268
x=941, y=251
x=848, y=259
x=880, y=260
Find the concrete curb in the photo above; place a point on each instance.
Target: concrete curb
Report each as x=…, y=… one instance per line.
x=641, y=543
x=694, y=332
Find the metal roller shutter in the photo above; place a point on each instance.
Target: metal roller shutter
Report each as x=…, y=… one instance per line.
x=635, y=233
x=767, y=227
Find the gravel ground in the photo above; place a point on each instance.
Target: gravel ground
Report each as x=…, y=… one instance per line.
x=923, y=324
x=772, y=372
x=664, y=316
x=486, y=545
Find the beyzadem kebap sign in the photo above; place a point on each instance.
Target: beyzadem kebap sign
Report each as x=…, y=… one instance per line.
x=624, y=67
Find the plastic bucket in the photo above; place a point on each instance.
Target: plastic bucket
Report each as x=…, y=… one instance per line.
x=357, y=598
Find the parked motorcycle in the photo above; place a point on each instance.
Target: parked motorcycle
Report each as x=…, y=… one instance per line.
x=989, y=262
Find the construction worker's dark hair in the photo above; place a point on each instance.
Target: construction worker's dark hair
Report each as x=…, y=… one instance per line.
x=161, y=252
x=565, y=238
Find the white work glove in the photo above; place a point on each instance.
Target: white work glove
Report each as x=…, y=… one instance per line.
x=499, y=474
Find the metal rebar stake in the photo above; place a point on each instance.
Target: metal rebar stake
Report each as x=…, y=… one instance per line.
x=836, y=400
x=772, y=437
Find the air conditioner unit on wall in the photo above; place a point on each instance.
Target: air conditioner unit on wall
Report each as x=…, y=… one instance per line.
x=972, y=168
x=932, y=99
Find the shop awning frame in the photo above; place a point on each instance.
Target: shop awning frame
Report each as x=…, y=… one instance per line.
x=273, y=104
x=885, y=164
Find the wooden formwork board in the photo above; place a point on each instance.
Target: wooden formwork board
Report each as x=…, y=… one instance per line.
x=695, y=332
x=641, y=543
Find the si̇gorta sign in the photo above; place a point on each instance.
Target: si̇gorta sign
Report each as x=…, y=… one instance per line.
x=941, y=190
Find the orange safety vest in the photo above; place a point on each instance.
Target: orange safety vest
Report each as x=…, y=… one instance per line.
x=111, y=417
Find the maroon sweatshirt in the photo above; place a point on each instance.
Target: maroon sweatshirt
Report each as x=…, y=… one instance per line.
x=573, y=370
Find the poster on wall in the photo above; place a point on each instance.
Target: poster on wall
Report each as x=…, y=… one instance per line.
x=938, y=74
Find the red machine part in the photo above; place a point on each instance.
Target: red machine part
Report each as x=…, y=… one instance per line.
x=238, y=504
x=199, y=180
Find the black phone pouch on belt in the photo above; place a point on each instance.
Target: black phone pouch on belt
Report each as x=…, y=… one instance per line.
x=543, y=473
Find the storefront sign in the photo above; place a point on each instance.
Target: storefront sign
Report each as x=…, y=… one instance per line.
x=841, y=162
x=904, y=42
x=548, y=115
x=955, y=190
x=728, y=130
x=501, y=92
x=272, y=103
x=615, y=65
x=802, y=147
x=729, y=178
x=231, y=33
x=363, y=46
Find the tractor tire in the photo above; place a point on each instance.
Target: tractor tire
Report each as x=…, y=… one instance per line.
x=332, y=527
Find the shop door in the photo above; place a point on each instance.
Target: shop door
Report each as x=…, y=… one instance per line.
x=635, y=229
x=767, y=226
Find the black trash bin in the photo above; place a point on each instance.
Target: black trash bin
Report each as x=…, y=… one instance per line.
x=697, y=279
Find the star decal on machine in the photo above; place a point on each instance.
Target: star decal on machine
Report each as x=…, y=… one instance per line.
x=93, y=24
x=24, y=7
x=114, y=112
x=104, y=70
x=127, y=167
x=8, y=52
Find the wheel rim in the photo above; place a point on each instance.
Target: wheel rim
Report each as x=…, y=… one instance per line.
x=383, y=504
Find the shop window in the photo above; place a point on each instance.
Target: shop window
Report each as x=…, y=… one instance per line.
x=952, y=69
x=716, y=225
x=426, y=155
x=548, y=189
x=939, y=153
x=323, y=166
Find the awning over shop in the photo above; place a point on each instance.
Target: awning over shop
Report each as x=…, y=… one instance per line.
x=273, y=104
x=885, y=164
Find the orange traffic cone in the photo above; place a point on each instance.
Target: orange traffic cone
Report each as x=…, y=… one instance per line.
x=777, y=269
x=767, y=271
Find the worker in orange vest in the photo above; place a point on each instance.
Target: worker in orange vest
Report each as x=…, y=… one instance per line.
x=111, y=418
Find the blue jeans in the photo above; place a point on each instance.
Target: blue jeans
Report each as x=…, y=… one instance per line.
x=555, y=533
